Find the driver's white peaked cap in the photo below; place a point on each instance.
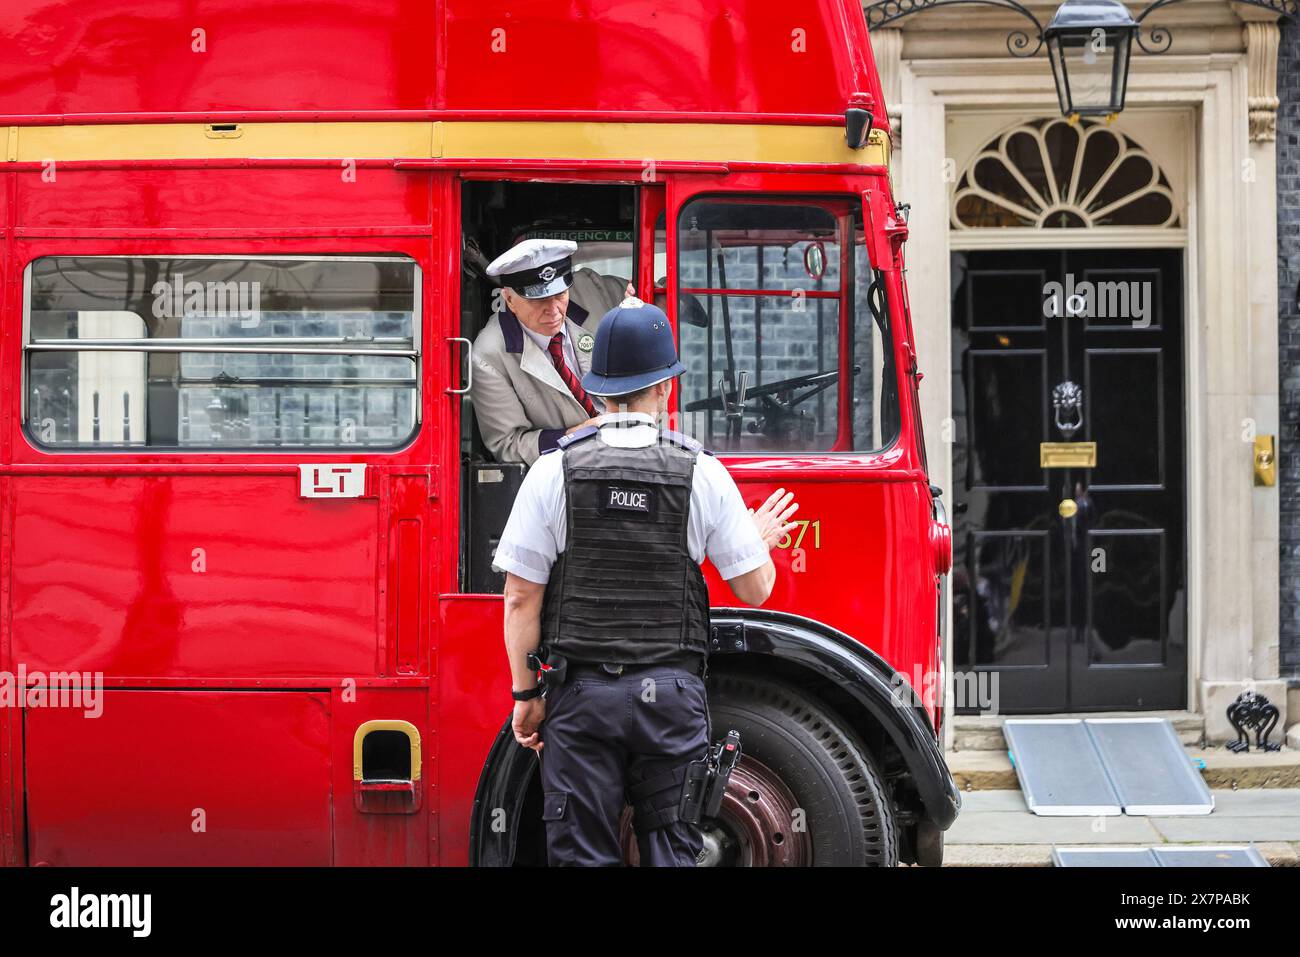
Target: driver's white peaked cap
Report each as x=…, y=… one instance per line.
x=532, y=254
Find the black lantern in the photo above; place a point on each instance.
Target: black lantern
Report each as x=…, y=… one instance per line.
x=1088, y=44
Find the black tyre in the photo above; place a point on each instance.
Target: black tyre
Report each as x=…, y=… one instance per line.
x=805, y=792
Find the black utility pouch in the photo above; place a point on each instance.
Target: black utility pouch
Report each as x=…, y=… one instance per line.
x=694, y=790
x=552, y=669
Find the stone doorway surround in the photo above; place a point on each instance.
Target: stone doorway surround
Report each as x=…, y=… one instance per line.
x=1206, y=108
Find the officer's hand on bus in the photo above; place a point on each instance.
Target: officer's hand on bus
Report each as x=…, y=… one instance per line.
x=527, y=721
x=772, y=519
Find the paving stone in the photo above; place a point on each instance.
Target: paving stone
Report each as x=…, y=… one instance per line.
x=977, y=801
x=1224, y=769
x=1278, y=854
x=1224, y=828
x=1262, y=802
x=1263, y=815
x=998, y=855
x=1022, y=827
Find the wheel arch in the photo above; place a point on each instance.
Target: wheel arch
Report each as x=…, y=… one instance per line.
x=854, y=681
x=500, y=798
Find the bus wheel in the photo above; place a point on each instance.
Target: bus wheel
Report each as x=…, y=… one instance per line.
x=756, y=827
x=805, y=791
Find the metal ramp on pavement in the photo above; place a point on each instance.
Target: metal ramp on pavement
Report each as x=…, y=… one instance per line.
x=1089, y=767
x=1189, y=856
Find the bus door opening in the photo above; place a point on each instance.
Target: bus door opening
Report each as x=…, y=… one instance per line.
x=605, y=220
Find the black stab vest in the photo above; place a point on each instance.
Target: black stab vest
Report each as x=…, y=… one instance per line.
x=625, y=589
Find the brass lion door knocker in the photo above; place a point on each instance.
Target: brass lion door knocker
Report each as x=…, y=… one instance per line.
x=1067, y=406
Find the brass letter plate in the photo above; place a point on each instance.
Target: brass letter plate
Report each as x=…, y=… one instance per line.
x=1067, y=455
x=1265, y=460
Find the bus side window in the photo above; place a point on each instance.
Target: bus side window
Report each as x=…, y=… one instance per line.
x=768, y=349
x=208, y=353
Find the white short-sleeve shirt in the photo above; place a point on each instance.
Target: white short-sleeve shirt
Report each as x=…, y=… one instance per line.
x=720, y=527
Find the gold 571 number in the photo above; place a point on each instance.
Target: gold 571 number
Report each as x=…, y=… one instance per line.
x=800, y=533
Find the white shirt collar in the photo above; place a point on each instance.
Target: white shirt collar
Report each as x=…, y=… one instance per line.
x=628, y=430
x=544, y=342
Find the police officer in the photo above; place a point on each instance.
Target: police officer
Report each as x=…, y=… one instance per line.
x=602, y=558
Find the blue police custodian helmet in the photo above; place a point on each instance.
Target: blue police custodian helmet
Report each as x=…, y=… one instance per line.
x=634, y=350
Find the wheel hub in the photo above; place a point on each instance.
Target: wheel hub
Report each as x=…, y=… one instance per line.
x=758, y=825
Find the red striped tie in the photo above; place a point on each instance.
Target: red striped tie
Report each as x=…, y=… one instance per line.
x=556, y=349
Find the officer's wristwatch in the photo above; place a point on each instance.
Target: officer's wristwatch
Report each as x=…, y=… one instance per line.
x=527, y=695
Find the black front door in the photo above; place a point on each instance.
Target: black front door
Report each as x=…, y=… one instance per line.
x=1070, y=581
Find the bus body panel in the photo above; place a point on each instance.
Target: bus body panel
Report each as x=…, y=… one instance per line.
x=854, y=567
x=208, y=204
x=175, y=576
x=181, y=777
x=471, y=673
x=236, y=57
x=102, y=544
x=186, y=573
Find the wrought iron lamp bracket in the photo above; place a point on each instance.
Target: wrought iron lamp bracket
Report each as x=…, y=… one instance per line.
x=1023, y=45
x=1019, y=42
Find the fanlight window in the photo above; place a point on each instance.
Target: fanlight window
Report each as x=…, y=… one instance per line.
x=1053, y=174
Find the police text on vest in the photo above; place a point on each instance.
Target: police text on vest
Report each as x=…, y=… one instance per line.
x=633, y=500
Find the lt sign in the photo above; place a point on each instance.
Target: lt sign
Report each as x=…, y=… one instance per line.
x=331, y=481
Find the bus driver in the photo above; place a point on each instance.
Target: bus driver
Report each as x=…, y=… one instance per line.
x=530, y=356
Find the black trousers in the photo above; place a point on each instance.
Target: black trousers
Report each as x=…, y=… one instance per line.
x=607, y=734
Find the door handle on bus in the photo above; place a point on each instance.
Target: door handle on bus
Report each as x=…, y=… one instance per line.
x=469, y=365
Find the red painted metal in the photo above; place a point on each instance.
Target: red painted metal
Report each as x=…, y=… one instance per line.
x=238, y=689
x=311, y=116
x=175, y=777
x=764, y=293
x=95, y=61
x=941, y=538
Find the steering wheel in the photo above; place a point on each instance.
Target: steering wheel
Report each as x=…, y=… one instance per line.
x=817, y=381
x=778, y=415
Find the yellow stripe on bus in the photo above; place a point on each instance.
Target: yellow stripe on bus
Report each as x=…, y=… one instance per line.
x=699, y=142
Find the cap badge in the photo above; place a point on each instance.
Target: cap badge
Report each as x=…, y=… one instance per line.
x=586, y=341
x=547, y=273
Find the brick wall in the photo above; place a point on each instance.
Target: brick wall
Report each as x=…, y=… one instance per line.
x=1288, y=249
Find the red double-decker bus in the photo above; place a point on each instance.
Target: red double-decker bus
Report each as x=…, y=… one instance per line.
x=247, y=601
